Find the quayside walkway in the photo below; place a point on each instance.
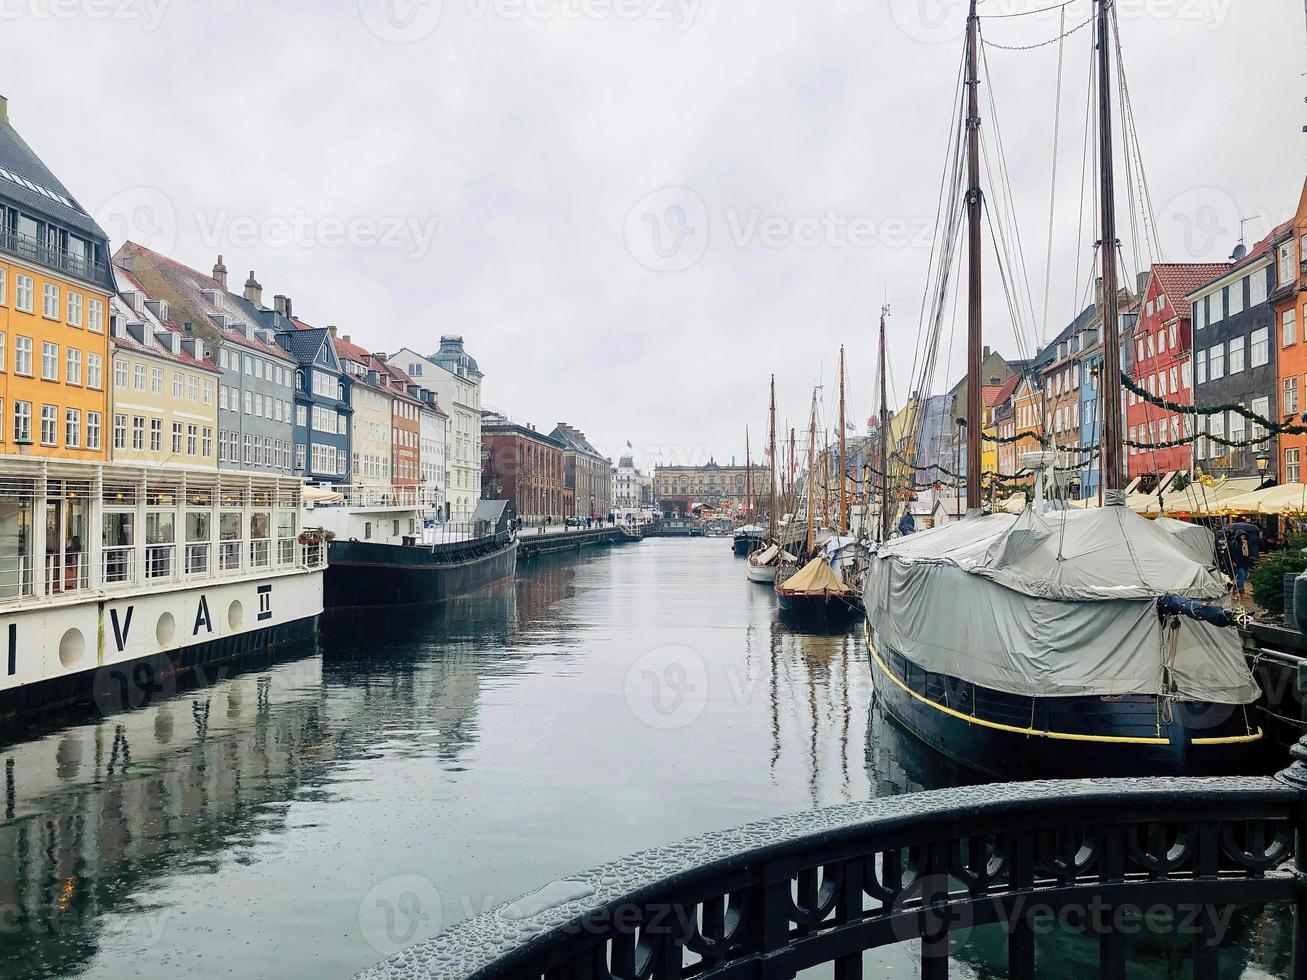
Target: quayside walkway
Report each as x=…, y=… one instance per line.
x=771, y=899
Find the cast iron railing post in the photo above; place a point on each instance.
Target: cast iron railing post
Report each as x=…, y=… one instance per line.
x=1296, y=776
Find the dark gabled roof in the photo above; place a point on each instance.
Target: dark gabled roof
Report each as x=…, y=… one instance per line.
x=21, y=167
x=572, y=438
x=303, y=343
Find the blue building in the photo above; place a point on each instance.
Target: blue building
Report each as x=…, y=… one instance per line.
x=323, y=416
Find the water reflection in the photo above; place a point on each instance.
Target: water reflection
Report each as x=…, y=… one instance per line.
x=483, y=747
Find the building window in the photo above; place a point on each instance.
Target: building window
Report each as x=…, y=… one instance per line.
x=178, y=387
x=1291, y=474
x=92, y=430
x=1236, y=355
x=1257, y=288
x=193, y=389
x=95, y=315
x=1288, y=328
x=176, y=438
x=1200, y=357
x=24, y=293
x=50, y=301
x=74, y=309
x=207, y=443
x=1260, y=347
x=73, y=366
x=138, y=433
x=156, y=435
x=72, y=428
x=4, y=286
x=138, y=377
x=1289, y=405
x=156, y=381
x=192, y=439
x=49, y=425
x=1285, y=262
x=1200, y=313
x=120, y=431
x=1216, y=307
x=94, y=371
x=23, y=422
x=49, y=361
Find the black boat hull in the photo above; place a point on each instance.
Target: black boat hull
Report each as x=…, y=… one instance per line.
x=1017, y=737
x=825, y=610
x=362, y=575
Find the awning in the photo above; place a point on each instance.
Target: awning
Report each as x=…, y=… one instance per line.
x=321, y=495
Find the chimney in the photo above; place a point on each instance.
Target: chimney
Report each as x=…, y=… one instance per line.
x=279, y=304
x=4, y=109
x=290, y=309
x=380, y=357
x=344, y=336
x=220, y=273
x=253, y=291
x=332, y=330
x=1141, y=283
x=1098, y=291
x=986, y=352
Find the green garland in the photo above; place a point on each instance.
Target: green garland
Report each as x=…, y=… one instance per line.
x=1273, y=428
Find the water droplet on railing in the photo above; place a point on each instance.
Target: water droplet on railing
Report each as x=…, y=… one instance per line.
x=552, y=895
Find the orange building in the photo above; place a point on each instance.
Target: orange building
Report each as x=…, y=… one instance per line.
x=55, y=289
x=1289, y=302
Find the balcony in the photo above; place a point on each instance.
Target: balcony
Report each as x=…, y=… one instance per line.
x=54, y=258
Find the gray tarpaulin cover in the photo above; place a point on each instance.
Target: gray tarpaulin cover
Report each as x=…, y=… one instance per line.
x=1057, y=605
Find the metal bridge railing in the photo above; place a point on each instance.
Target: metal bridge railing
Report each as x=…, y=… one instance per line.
x=775, y=898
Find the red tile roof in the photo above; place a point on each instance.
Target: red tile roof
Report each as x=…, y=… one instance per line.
x=1002, y=392
x=1178, y=279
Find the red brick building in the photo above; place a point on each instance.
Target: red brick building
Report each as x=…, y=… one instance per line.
x=524, y=467
x=1163, y=346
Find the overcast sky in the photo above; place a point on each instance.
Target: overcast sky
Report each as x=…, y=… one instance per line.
x=633, y=210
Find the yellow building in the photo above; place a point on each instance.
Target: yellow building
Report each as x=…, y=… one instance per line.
x=55, y=289
x=164, y=406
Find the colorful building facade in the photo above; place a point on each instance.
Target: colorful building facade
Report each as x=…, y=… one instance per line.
x=55, y=290
x=1289, y=310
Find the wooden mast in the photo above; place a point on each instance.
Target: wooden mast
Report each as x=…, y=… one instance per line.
x=844, y=507
x=794, y=491
x=1113, y=477
x=773, y=524
x=885, y=515
x=748, y=478
x=812, y=442
x=825, y=480
x=975, y=204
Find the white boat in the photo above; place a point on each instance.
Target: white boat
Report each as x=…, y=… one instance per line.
x=761, y=566
x=113, y=577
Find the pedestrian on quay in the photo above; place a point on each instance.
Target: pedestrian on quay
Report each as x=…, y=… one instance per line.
x=1242, y=561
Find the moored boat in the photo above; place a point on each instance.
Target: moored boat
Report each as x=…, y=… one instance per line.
x=116, y=581
x=382, y=555
x=815, y=594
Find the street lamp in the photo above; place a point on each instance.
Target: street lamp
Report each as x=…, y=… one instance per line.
x=1263, y=463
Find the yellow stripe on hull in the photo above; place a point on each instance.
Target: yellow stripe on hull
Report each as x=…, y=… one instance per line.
x=1037, y=733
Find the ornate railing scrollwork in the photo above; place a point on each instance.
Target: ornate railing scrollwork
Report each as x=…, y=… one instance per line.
x=774, y=898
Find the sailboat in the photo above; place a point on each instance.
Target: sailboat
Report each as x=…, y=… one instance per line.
x=813, y=592
x=1068, y=643
x=762, y=563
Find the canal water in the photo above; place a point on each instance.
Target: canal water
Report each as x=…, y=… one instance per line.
x=306, y=815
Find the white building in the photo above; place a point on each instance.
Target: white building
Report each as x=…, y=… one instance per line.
x=371, y=441
x=632, y=490
x=433, y=462
x=456, y=379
